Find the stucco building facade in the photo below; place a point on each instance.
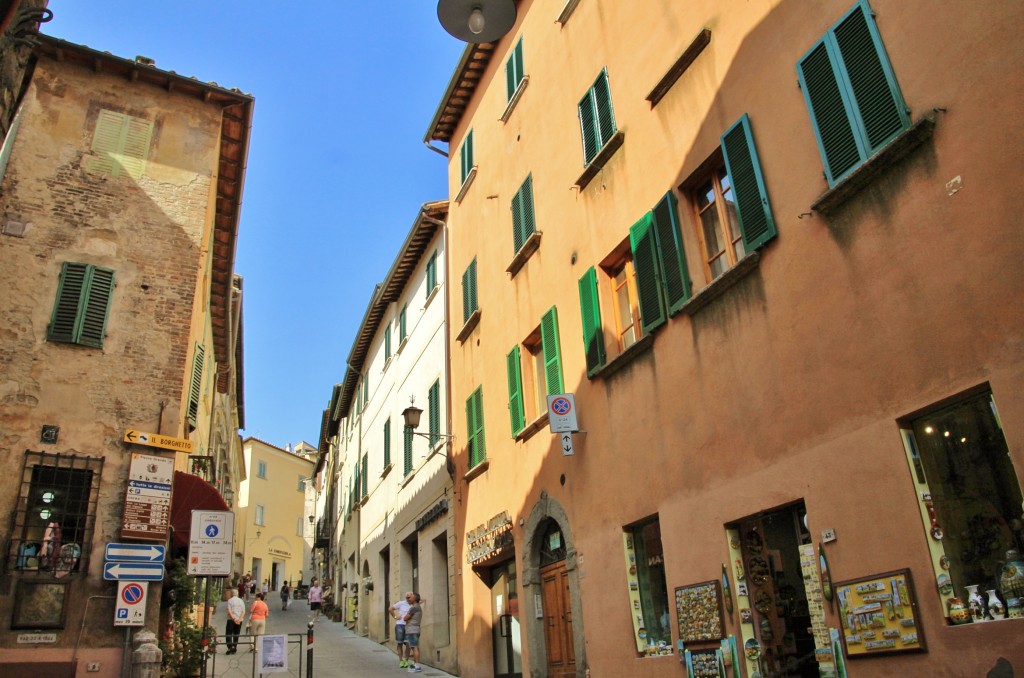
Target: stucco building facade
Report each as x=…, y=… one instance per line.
x=771, y=250
x=122, y=313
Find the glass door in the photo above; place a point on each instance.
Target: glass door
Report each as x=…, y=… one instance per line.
x=505, y=630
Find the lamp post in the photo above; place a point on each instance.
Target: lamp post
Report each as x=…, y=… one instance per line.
x=477, y=21
x=411, y=415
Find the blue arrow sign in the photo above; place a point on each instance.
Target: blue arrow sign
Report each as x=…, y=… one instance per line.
x=135, y=553
x=133, y=571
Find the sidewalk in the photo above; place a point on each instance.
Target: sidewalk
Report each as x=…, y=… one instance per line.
x=337, y=651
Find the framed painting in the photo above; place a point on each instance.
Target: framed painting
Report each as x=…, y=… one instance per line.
x=39, y=605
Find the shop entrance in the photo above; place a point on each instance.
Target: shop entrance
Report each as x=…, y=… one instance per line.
x=781, y=620
x=505, y=631
x=555, y=603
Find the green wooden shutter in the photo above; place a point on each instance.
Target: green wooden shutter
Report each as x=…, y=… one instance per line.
x=466, y=156
x=836, y=140
x=517, y=415
x=529, y=222
x=431, y=273
x=366, y=474
x=401, y=324
x=387, y=341
x=195, y=390
x=648, y=275
x=64, y=319
x=552, y=353
x=387, y=442
x=434, y=411
x=523, y=225
x=407, y=451
x=514, y=70
x=672, y=257
x=879, y=104
x=588, y=127
x=750, y=194
x=469, y=291
x=475, y=427
x=605, y=114
x=593, y=336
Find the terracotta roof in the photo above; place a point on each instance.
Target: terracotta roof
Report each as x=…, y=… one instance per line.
x=236, y=123
x=460, y=91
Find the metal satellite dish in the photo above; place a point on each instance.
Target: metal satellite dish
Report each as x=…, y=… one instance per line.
x=477, y=21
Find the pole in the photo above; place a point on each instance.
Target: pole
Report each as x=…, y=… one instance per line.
x=309, y=650
x=126, y=661
x=206, y=618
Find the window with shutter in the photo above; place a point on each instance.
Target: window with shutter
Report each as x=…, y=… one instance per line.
x=516, y=411
x=431, y=273
x=523, y=225
x=851, y=92
x=475, y=427
x=195, y=390
x=82, y=306
x=593, y=336
x=387, y=442
x=407, y=452
x=387, y=341
x=469, y=298
x=648, y=273
x=552, y=353
x=366, y=474
x=466, y=157
x=514, y=70
x=120, y=144
x=401, y=325
x=597, y=118
x=434, y=412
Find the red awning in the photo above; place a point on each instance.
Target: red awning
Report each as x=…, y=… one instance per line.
x=191, y=493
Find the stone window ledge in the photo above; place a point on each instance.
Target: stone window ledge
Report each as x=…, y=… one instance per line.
x=642, y=345
x=476, y=470
x=531, y=428
x=467, y=329
x=721, y=284
x=529, y=247
x=601, y=159
x=516, y=96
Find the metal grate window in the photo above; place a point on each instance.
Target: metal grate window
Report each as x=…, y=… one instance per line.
x=55, y=517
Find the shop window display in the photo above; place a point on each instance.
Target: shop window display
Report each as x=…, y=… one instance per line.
x=649, y=592
x=970, y=500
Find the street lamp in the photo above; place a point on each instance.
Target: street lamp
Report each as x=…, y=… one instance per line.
x=411, y=415
x=477, y=21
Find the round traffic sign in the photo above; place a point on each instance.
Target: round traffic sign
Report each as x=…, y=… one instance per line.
x=561, y=406
x=132, y=594
x=212, y=531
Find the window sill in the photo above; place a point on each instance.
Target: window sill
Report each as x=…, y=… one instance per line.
x=528, y=248
x=476, y=470
x=531, y=428
x=567, y=11
x=467, y=329
x=601, y=159
x=870, y=169
x=721, y=284
x=430, y=297
x=362, y=502
x=387, y=470
x=626, y=357
x=387, y=361
x=679, y=67
x=407, y=479
x=466, y=184
x=516, y=96
x=401, y=345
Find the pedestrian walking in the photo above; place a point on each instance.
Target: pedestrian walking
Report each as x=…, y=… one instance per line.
x=236, y=614
x=315, y=596
x=284, y=596
x=258, y=619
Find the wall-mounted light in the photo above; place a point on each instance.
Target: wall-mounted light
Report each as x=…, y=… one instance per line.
x=411, y=415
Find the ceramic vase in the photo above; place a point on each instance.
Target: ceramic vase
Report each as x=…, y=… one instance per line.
x=976, y=603
x=1011, y=579
x=959, y=613
x=995, y=606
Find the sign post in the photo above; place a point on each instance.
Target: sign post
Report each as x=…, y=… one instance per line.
x=210, y=543
x=562, y=420
x=147, y=506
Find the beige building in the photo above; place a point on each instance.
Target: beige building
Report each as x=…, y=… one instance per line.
x=272, y=527
x=118, y=216
x=773, y=250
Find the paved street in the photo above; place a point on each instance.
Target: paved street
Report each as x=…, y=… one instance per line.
x=337, y=650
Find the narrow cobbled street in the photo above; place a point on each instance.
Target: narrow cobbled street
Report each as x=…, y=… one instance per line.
x=337, y=651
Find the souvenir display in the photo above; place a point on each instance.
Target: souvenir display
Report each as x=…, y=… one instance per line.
x=699, y=611
x=758, y=570
x=1011, y=579
x=705, y=663
x=726, y=591
x=826, y=577
x=878, y=615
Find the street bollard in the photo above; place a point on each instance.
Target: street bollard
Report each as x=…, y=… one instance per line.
x=309, y=650
x=146, y=657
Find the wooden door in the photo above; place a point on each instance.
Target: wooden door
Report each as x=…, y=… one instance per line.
x=557, y=620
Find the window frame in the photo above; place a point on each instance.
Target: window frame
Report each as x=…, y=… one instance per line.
x=524, y=223
x=407, y=451
x=260, y=515
x=470, y=301
x=434, y=412
x=476, y=442
x=387, y=442
x=466, y=164
x=195, y=388
x=514, y=71
x=596, y=116
x=431, y=274
x=261, y=469
x=120, y=144
x=403, y=330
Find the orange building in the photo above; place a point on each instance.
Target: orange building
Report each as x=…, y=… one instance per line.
x=771, y=249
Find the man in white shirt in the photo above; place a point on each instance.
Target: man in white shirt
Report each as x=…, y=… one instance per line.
x=236, y=613
x=398, y=612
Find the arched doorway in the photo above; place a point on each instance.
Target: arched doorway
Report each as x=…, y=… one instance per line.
x=552, y=588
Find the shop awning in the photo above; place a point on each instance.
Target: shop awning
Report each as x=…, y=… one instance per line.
x=191, y=493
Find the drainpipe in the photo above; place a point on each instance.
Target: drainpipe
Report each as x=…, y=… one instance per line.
x=435, y=149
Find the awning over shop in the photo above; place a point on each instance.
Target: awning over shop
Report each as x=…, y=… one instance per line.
x=191, y=493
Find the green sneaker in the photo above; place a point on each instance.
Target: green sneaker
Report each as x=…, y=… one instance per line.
x=402, y=663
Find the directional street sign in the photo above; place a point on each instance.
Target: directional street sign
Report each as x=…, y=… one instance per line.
x=135, y=553
x=147, y=506
x=157, y=440
x=210, y=543
x=562, y=413
x=130, y=606
x=133, y=571
x=567, y=450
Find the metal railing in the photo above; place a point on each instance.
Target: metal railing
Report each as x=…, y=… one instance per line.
x=296, y=657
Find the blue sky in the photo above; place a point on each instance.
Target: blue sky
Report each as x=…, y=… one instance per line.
x=337, y=168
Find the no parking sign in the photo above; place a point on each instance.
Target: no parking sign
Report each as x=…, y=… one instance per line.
x=130, y=607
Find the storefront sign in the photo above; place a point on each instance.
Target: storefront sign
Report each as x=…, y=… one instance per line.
x=280, y=552
x=435, y=512
x=487, y=540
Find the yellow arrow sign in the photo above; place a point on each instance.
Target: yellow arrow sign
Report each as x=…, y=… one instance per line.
x=157, y=440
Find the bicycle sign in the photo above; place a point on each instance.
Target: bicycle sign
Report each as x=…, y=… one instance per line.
x=562, y=413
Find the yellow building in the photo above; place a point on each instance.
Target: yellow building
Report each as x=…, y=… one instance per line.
x=272, y=526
